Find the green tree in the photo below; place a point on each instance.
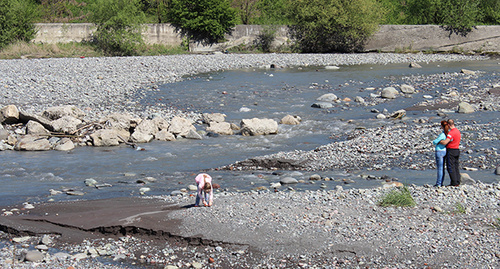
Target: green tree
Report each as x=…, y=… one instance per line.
x=490, y=11
x=333, y=25
x=205, y=21
x=119, y=26
x=456, y=16
x=272, y=12
x=16, y=21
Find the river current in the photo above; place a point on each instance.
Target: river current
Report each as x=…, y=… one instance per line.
x=240, y=94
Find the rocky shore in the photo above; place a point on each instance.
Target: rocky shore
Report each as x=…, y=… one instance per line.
x=453, y=227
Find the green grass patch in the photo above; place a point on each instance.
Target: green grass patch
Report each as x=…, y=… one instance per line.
x=459, y=209
x=19, y=50
x=398, y=197
x=496, y=223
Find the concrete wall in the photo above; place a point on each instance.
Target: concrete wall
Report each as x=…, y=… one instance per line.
x=389, y=38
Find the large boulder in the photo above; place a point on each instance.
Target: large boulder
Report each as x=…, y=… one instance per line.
x=65, y=144
x=35, y=128
x=119, y=121
x=32, y=143
x=290, y=120
x=106, y=138
x=180, y=126
x=213, y=117
x=66, y=124
x=161, y=123
x=144, y=132
x=389, y=93
x=57, y=112
x=464, y=107
x=322, y=105
x=223, y=128
x=255, y=126
x=328, y=97
x=9, y=114
x=165, y=135
x=407, y=89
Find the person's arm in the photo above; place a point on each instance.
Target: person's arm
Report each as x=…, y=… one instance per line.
x=211, y=197
x=440, y=138
x=446, y=141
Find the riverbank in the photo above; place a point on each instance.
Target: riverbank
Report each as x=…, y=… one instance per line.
x=450, y=227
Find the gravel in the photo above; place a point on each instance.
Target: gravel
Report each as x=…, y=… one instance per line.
x=449, y=227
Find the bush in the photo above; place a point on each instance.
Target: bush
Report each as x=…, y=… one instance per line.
x=16, y=21
x=398, y=197
x=266, y=38
x=333, y=25
x=205, y=21
x=119, y=29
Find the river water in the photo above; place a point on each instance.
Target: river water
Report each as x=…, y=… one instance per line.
x=262, y=93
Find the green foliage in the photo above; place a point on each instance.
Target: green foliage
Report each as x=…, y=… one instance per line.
x=266, y=38
x=456, y=16
x=334, y=25
x=459, y=208
x=205, y=21
x=394, y=10
x=119, y=27
x=16, y=21
x=490, y=11
x=272, y=12
x=398, y=197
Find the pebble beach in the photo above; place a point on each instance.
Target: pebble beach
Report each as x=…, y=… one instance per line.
x=454, y=227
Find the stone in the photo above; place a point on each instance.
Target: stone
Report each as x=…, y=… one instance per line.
x=497, y=171
x=9, y=114
x=290, y=120
x=414, y=65
x=381, y=116
x=288, y=180
x=32, y=143
x=196, y=265
x=160, y=123
x=466, y=179
x=141, y=137
x=34, y=256
x=322, y=105
x=192, y=134
x=57, y=112
x=165, y=135
x=75, y=193
x=4, y=134
x=407, y=89
x=255, y=126
x=90, y=182
x=65, y=144
x=359, y=99
x=466, y=108
x=328, y=97
x=192, y=188
x=389, y=93
x=66, y=124
x=180, y=126
x=118, y=121
x=46, y=240
x=105, y=138
x=392, y=184
x=36, y=128
x=213, y=117
x=148, y=127
x=467, y=72
x=332, y=67
x=398, y=114
x=315, y=177
x=223, y=128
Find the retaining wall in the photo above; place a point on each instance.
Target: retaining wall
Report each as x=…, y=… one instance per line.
x=388, y=38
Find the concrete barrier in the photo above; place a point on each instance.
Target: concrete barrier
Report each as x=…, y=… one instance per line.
x=388, y=38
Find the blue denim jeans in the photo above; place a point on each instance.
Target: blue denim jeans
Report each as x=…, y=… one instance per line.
x=206, y=196
x=440, y=157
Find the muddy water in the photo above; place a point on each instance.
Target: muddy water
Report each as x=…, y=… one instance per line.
x=271, y=93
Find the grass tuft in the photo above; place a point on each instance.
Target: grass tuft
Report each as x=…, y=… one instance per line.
x=398, y=197
x=460, y=209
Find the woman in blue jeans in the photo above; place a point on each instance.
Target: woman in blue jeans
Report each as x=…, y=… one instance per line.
x=441, y=153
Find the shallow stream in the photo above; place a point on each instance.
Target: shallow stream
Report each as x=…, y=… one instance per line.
x=262, y=93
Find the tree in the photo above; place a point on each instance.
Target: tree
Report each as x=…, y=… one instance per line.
x=205, y=21
x=456, y=16
x=16, y=21
x=119, y=29
x=333, y=25
x=247, y=10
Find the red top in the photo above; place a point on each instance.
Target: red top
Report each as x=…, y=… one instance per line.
x=454, y=136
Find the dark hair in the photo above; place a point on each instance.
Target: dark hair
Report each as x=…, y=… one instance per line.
x=446, y=126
